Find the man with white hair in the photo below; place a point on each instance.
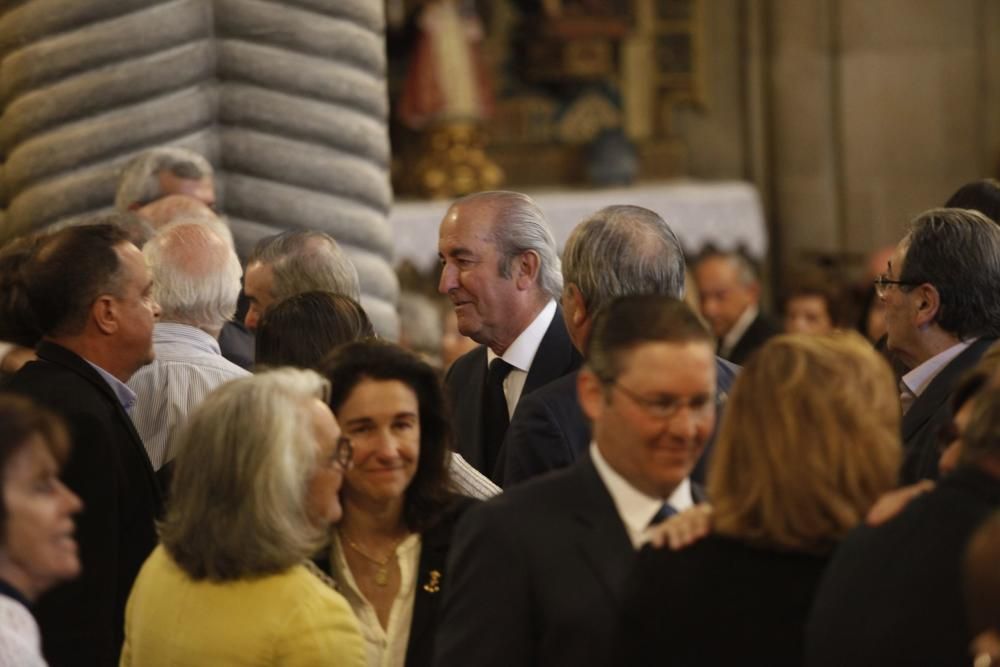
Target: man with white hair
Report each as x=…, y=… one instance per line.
x=500, y=268
x=168, y=184
x=294, y=262
x=196, y=276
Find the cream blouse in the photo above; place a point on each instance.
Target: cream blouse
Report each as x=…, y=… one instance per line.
x=384, y=647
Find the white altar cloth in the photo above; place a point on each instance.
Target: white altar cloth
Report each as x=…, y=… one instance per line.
x=727, y=215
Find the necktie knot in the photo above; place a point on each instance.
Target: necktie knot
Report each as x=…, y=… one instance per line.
x=498, y=372
x=665, y=512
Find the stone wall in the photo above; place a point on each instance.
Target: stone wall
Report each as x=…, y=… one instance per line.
x=852, y=116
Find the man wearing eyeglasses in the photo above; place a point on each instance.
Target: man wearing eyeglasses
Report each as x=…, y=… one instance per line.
x=942, y=296
x=536, y=576
x=618, y=251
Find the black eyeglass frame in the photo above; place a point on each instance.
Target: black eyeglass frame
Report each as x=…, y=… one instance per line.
x=882, y=284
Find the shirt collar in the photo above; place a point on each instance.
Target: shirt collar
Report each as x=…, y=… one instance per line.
x=740, y=327
x=11, y=592
x=522, y=351
x=920, y=377
x=123, y=392
x=635, y=508
x=175, y=332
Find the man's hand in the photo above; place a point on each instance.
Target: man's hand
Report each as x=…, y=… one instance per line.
x=17, y=357
x=893, y=502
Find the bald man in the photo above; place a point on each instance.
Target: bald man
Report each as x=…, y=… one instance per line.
x=196, y=274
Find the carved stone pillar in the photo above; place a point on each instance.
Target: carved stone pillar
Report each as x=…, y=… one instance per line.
x=286, y=99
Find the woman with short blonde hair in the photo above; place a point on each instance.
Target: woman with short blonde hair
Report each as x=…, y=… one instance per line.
x=258, y=470
x=809, y=441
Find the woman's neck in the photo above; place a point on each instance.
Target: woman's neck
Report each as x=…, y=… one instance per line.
x=365, y=520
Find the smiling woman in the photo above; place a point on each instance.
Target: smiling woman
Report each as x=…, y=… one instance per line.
x=37, y=549
x=389, y=550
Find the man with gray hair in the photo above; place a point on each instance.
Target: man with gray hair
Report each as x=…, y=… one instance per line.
x=169, y=183
x=196, y=280
x=941, y=291
x=730, y=300
x=294, y=262
x=618, y=251
x=162, y=171
x=500, y=268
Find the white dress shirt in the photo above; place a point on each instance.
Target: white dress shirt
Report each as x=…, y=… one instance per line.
x=188, y=366
x=384, y=647
x=917, y=380
x=739, y=328
x=521, y=353
x=635, y=508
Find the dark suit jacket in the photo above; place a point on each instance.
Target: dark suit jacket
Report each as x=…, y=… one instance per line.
x=756, y=335
x=236, y=344
x=892, y=594
x=680, y=601
x=82, y=621
x=536, y=576
x=432, y=572
x=550, y=431
x=923, y=422
x=466, y=380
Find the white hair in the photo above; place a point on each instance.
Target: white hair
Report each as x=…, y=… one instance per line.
x=244, y=460
x=520, y=226
x=196, y=275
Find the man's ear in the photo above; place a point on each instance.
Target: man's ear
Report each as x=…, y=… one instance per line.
x=526, y=268
x=104, y=313
x=590, y=391
x=575, y=305
x=928, y=303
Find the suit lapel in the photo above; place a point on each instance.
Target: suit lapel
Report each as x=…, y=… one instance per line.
x=555, y=357
x=600, y=534
x=941, y=387
x=433, y=554
x=467, y=399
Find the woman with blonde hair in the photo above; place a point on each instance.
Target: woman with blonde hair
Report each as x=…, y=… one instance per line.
x=809, y=441
x=258, y=470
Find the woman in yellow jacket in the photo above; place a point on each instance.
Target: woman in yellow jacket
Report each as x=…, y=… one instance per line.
x=255, y=490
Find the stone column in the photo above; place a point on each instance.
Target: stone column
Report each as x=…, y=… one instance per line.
x=288, y=101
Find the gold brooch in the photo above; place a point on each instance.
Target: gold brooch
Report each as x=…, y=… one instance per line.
x=434, y=585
